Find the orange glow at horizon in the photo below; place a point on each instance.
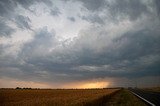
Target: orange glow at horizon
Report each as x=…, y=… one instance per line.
x=96, y=83
x=87, y=84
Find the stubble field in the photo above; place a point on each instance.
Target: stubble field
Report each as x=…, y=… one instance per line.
x=54, y=97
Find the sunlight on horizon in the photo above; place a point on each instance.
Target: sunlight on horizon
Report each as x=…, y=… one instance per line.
x=87, y=85
x=94, y=85
x=72, y=85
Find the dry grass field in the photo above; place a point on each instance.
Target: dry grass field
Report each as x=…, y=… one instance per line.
x=154, y=89
x=53, y=97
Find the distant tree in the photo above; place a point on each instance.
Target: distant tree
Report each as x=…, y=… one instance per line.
x=27, y=88
x=18, y=88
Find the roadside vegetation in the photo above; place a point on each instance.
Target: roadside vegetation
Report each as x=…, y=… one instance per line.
x=154, y=89
x=124, y=98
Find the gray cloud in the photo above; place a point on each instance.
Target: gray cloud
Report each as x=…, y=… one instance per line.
x=23, y=22
x=42, y=42
x=5, y=30
x=118, y=60
x=72, y=19
x=94, y=19
x=93, y=5
x=7, y=10
x=125, y=58
x=117, y=10
x=31, y=59
x=157, y=3
x=106, y=51
x=27, y=3
x=6, y=7
x=55, y=12
x=126, y=8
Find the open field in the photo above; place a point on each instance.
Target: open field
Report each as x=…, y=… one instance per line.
x=56, y=97
x=154, y=89
x=124, y=98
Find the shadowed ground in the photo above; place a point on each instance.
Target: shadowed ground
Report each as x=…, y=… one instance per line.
x=124, y=98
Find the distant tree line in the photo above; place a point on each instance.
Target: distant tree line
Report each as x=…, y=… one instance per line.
x=22, y=88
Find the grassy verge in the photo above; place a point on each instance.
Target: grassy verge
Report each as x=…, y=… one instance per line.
x=153, y=89
x=124, y=98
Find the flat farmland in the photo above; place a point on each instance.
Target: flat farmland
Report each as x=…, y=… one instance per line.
x=54, y=97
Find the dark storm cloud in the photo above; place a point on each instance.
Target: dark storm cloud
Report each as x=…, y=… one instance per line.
x=5, y=30
x=93, y=5
x=30, y=60
x=96, y=53
x=115, y=10
x=128, y=8
x=133, y=55
x=23, y=22
x=142, y=42
x=157, y=3
x=6, y=7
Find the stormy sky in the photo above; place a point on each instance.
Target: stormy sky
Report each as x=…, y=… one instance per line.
x=79, y=43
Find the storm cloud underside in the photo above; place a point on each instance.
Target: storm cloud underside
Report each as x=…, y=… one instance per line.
x=56, y=43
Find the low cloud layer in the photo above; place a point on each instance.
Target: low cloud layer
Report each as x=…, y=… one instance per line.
x=59, y=43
